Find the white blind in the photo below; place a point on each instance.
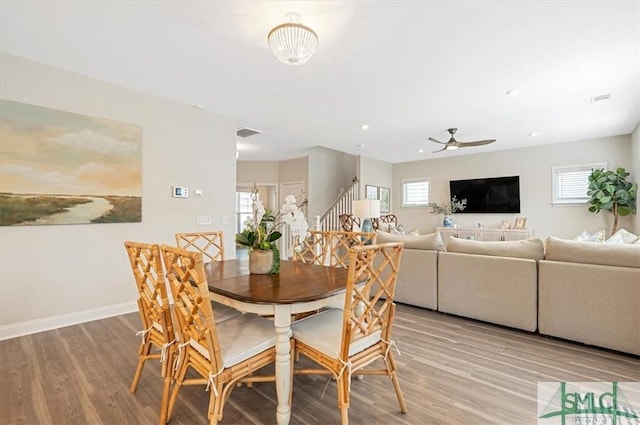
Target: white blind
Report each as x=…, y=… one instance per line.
x=415, y=192
x=571, y=183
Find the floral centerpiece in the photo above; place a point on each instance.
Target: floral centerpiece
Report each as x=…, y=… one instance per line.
x=447, y=208
x=263, y=229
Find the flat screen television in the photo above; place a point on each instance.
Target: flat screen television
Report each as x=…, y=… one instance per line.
x=490, y=195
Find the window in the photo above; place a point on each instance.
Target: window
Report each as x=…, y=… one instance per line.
x=571, y=183
x=415, y=192
x=244, y=209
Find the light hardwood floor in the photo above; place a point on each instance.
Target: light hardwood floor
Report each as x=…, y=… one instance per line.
x=452, y=371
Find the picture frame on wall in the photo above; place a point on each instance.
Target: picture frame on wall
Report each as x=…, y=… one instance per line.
x=384, y=194
x=370, y=192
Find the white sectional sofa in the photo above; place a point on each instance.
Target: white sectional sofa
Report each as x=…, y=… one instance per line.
x=580, y=291
x=491, y=281
x=590, y=292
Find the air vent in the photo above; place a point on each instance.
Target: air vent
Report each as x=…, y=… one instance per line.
x=600, y=98
x=246, y=132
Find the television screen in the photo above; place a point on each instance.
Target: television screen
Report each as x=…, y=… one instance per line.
x=490, y=195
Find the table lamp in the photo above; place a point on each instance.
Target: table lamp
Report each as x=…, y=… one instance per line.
x=366, y=210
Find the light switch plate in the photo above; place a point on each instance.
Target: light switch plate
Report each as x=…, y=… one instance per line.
x=203, y=220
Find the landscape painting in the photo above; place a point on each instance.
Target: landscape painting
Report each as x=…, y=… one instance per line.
x=59, y=167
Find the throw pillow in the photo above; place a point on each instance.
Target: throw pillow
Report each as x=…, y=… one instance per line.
x=586, y=237
x=616, y=239
x=414, y=232
x=626, y=236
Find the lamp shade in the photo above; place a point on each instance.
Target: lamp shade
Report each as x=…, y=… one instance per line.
x=367, y=208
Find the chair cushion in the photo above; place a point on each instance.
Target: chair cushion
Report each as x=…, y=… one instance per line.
x=241, y=338
x=222, y=313
x=323, y=331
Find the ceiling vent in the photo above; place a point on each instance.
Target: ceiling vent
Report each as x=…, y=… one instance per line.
x=600, y=98
x=246, y=132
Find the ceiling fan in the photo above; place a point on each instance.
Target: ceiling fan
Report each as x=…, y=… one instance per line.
x=454, y=144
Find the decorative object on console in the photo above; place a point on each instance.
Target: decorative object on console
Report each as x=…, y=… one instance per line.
x=366, y=209
x=262, y=230
x=520, y=223
x=611, y=191
x=293, y=43
x=447, y=208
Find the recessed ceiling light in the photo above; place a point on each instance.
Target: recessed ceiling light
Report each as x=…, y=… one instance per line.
x=364, y=127
x=420, y=150
x=361, y=145
x=198, y=106
x=601, y=97
x=513, y=92
x=533, y=134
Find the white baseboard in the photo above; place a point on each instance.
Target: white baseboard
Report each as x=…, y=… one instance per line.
x=39, y=325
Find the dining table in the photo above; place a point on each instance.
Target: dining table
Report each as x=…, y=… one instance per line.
x=298, y=288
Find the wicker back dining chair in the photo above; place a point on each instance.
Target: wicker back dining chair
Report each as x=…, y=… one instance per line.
x=214, y=351
x=211, y=245
x=348, y=222
x=343, y=342
x=330, y=248
x=153, y=306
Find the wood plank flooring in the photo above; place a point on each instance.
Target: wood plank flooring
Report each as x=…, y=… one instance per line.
x=452, y=371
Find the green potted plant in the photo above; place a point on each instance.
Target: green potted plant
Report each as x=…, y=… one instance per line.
x=262, y=230
x=611, y=191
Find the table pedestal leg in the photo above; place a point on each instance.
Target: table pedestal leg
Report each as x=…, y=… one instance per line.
x=282, y=319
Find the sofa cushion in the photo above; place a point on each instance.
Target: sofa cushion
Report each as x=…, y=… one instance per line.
x=531, y=248
x=432, y=241
x=626, y=255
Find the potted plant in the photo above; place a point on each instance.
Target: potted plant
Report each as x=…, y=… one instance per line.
x=611, y=191
x=447, y=208
x=262, y=230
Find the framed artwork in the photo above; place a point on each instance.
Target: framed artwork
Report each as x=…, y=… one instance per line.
x=370, y=192
x=64, y=168
x=384, y=194
x=521, y=223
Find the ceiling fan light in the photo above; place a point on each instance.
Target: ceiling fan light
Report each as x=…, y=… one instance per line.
x=451, y=147
x=293, y=43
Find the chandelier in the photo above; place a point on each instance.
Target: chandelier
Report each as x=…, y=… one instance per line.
x=293, y=43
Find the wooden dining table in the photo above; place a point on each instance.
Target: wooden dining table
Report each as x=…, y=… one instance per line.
x=298, y=288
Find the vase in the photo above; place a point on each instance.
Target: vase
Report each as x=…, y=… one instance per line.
x=448, y=221
x=260, y=261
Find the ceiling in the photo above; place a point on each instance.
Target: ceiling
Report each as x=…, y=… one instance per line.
x=408, y=69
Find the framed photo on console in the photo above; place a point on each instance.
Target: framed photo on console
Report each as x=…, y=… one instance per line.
x=521, y=223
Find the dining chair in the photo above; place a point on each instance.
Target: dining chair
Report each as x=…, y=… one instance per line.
x=348, y=221
x=153, y=305
x=341, y=242
x=343, y=342
x=313, y=249
x=220, y=354
x=211, y=245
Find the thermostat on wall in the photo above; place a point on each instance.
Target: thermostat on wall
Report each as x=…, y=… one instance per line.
x=180, y=192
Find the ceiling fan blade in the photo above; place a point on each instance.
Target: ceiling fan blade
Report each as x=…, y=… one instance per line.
x=437, y=141
x=476, y=143
x=440, y=150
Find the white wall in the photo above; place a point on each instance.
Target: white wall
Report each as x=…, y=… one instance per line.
x=533, y=165
x=377, y=173
x=62, y=274
x=248, y=172
x=328, y=174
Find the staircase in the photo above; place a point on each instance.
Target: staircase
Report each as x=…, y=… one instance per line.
x=330, y=220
